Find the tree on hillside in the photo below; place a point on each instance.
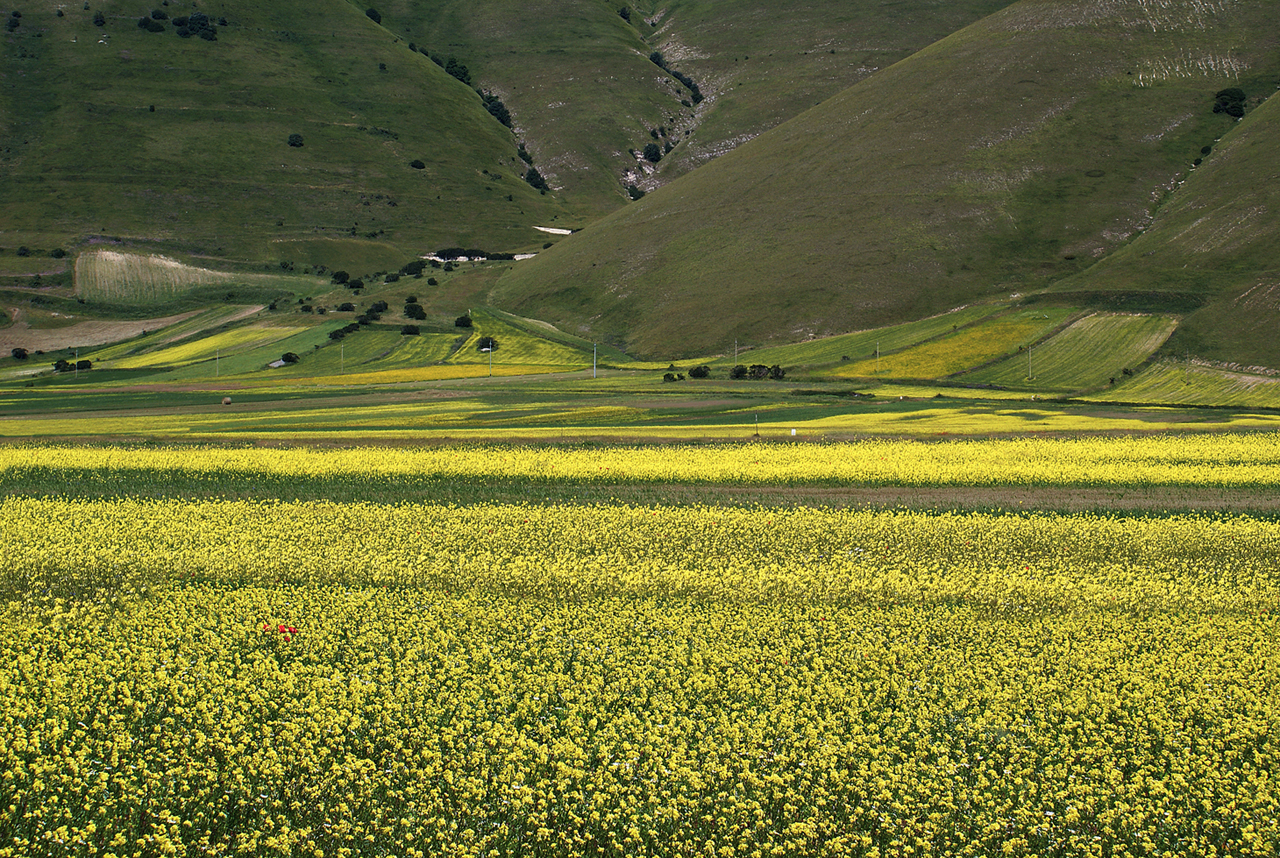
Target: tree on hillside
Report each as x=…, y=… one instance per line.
x=295, y=140
x=372, y=15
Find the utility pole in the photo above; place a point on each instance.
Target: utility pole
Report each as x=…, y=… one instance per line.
x=1028, y=362
x=77, y=362
x=217, y=362
x=877, y=357
x=593, y=360
x=342, y=358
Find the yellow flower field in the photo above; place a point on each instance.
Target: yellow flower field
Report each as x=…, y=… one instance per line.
x=319, y=678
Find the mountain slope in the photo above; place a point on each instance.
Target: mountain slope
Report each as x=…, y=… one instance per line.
x=586, y=98
x=1009, y=155
x=111, y=129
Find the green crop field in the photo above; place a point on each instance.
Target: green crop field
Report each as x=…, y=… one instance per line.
x=963, y=349
x=1093, y=352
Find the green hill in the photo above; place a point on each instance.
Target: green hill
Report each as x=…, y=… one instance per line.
x=183, y=144
x=1003, y=159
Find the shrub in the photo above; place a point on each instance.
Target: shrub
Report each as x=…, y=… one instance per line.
x=62, y=365
x=391, y=278
x=289, y=357
x=652, y=152
x=776, y=372
x=670, y=376
x=738, y=371
x=295, y=140
x=372, y=15
x=413, y=268
x=355, y=284
x=341, y=277
x=486, y=344
x=1229, y=101
x=19, y=353
x=431, y=281
x=346, y=307
x=417, y=164
x=378, y=307
x=415, y=311
x=524, y=155
x=458, y=70
x=700, y=372
x=412, y=299
x=462, y=322
x=625, y=14
x=410, y=330
x=99, y=20
x=84, y=363
x=758, y=371
x=496, y=108
x=159, y=15
x=337, y=335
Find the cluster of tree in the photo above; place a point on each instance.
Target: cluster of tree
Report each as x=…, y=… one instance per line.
x=462, y=322
x=413, y=310
x=758, y=371
x=373, y=15
x=289, y=357
x=487, y=344
x=19, y=353
x=63, y=365
x=15, y=20
x=186, y=26
x=660, y=61
x=343, y=331
x=410, y=330
x=534, y=178
x=1229, y=101
x=696, y=372
x=496, y=108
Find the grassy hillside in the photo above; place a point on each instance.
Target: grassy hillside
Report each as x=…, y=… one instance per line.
x=1214, y=242
x=183, y=143
x=1002, y=159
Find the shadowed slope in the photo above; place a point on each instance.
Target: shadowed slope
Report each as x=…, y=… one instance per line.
x=1005, y=157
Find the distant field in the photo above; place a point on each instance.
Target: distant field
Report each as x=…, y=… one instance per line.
x=832, y=350
x=113, y=277
x=1173, y=383
x=962, y=350
x=1092, y=352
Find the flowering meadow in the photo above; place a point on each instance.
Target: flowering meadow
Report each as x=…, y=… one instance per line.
x=208, y=675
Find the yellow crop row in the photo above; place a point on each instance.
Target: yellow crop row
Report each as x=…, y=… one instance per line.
x=1237, y=460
